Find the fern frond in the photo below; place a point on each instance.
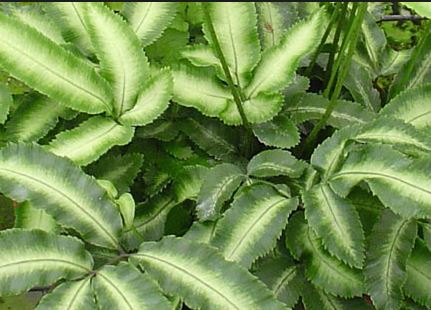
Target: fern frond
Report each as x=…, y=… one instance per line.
x=225, y=286
x=54, y=184
x=390, y=245
x=398, y=181
x=35, y=257
x=152, y=101
x=121, y=58
x=336, y=221
x=221, y=181
x=91, y=139
x=413, y=106
x=235, y=27
x=29, y=217
x=250, y=228
x=280, y=132
x=258, y=109
x=124, y=286
x=200, y=89
x=271, y=163
x=28, y=55
x=322, y=269
x=278, y=64
x=149, y=19
x=32, y=120
x=313, y=106
x=72, y=295
x=418, y=283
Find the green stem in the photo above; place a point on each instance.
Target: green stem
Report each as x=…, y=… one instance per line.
x=235, y=92
x=334, y=16
x=137, y=233
x=340, y=56
x=351, y=37
x=341, y=24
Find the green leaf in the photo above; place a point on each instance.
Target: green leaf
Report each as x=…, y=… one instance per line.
x=76, y=295
x=235, y=27
x=278, y=64
x=121, y=170
x=201, y=55
x=201, y=231
x=369, y=208
x=109, y=188
x=124, y=286
x=328, y=156
x=212, y=136
x=408, y=304
x=200, y=89
x=126, y=205
x=336, y=221
x=422, y=8
x=34, y=257
x=317, y=299
x=69, y=16
x=122, y=61
x=412, y=106
x=152, y=101
x=41, y=23
x=322, y=269
x=54, y=184
x=426, y=229
x=224, y=286
x=150, y=219
x=29, y=217
x=150, y=19
x=418, y=284
x=221, y=181
x=398, y=181
x=270, y=22
x=6, y=102
x=396, y=133
x=394, y=60
x=271, y=163
x=32, y=120
x=28, y=55
x=91, y=139
x=166, y=51
x=258, y=109
x=417, y=70
x=280, y=132
x=359, y=82
x=385, y=269
x=283, y=279
x=313, y=106
x=187, y=185
x=251, y=227
x=370, y=48
x=161, y=129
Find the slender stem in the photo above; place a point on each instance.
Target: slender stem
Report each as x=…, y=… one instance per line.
x=352, y=37
x=137, y=233
x=337, y=34
x=344, y=44
x=325, y=36
x=235, y=92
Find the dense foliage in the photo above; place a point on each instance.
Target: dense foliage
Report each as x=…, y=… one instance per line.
x=216, y=155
